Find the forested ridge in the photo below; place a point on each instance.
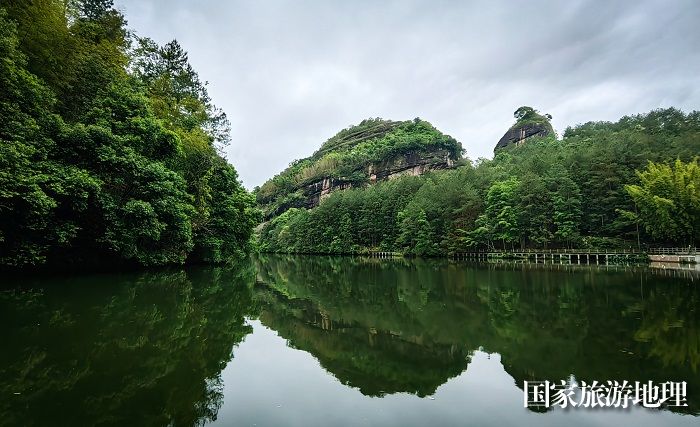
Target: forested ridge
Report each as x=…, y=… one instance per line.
x=347, y=157
x=109, y=146
x=624, y=184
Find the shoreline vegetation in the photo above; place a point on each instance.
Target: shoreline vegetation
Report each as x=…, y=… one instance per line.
x=110, y=147
x=630, y=184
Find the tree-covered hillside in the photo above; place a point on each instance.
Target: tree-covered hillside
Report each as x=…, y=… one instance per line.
x=108, y=146
x=594, y=187
x=347, y=156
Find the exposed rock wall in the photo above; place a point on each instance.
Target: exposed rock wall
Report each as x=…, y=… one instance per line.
x=410, y=164
x=319, y=190
x=518, y=135
x=407, y=164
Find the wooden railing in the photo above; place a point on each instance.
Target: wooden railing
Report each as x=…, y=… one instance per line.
x=664, y=251
x=674, y=251
x=589, y=251
x=381, y=254
x=558, y=251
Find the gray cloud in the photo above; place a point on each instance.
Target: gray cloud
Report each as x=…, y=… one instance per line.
x=290, y=74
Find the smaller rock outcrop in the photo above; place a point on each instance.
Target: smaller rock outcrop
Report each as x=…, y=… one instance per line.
x=529, y=123
x=518, y=135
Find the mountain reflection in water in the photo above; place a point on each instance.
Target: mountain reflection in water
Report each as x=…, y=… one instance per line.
x=379, y=340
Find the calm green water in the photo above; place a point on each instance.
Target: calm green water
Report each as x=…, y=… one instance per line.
x=320, y=341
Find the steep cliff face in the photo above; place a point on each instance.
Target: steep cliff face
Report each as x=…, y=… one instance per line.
x=518, y=135
x=373, y=151
x=411, y=163
x=529, y=123
x=405, y=164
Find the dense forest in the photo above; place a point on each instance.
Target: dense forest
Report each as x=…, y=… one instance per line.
x=110, y=152
x=626, y=184
x=109, y=146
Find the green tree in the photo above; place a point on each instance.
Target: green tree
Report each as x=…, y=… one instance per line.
x=668, y=201
x=501, y=214
x=528, y=115
x=177, y=94
x=41, y=201
x=89, y=172
x=342, y=239
x=425, y=244
x=566, y=206
x=535, y=211
x=416, y=233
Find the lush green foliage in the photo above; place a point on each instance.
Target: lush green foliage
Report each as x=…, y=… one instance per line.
x=668, y=201
x=100, y=160
x=545, y=193
x=529, y=116
x=347, y=155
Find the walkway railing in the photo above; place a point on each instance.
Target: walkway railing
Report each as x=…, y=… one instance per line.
x=558, y=251
x=662, y=251
x=381, y=254
x=674, y=251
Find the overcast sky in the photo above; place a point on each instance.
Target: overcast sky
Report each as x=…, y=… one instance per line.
x=290, y=74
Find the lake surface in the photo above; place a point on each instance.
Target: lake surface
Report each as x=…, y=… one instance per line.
x=320, y=341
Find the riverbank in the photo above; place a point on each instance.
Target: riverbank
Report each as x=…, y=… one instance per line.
x=578, y=256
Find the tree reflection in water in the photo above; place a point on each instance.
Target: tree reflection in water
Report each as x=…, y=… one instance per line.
x=149, y=348
x=141, y=348
x=387, y=326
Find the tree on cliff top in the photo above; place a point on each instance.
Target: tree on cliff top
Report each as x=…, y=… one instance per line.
x=528, y=116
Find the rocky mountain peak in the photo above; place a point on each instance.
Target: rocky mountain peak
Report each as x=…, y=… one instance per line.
x=529, y=123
